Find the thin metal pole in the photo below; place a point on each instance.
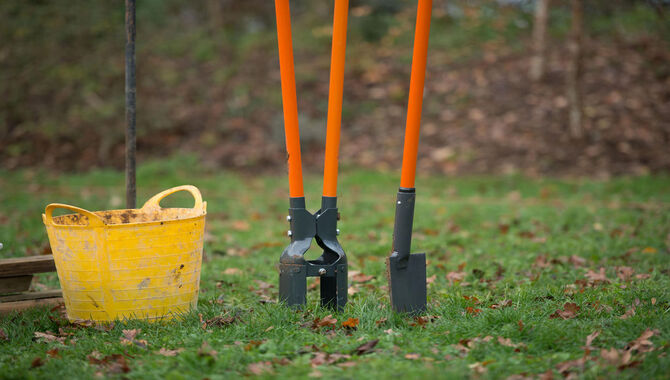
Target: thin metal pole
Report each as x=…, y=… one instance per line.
x=131, y=145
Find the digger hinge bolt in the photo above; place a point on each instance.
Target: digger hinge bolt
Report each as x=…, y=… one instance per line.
x=288, y=218
x=289, y=233
x=337, y=231
x=322, y=271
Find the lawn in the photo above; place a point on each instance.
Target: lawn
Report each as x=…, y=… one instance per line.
x=526, y=276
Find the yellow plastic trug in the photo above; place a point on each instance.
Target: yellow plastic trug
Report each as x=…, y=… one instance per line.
x=129, y=264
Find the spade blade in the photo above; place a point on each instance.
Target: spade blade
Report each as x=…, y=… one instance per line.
x=407, y=284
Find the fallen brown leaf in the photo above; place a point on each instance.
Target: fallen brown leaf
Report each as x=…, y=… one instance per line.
x=577, y=261
x=642, y=343
x=567, y=366
x=618, y=358
x=590, y=338
x=381, y=321
x=233, y=271
x=526, y=234
x=53, y=353
x=240, y=225
x=281, y=361
x=350, y=323
x=502, y=304
x=507, y=342
x=520, y=324
x=472, y=311
x=473, y=299
x=264, y=285
x=327, y=321
x=219, y=321
x=48, y=337
x=569, y=311
x=629, y=312
x=521, y=376
x=463, y=346
x=597, y=277
x=260, y=368
x=455, y=277
x=478, y=368
x=166, y=352
x=115, y=363
x=83, y=323
x=37, y=362
x=3, y=335
x=103, y=326
x=252, y=344
x=431, y=279
x=347, y=364
x=412, y=356
x=598, y=306
x=129, y=338
x=624, y=273
x=206, y=350
x=131, y=334
x=366, y=347
x=361, y=278
x=324, y=358
x=547, y=375
x=542, y=261
x=423, y=320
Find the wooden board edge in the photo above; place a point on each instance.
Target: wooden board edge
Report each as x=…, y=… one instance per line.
x=8, y=307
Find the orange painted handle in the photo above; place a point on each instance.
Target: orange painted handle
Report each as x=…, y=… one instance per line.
x=289, y=99
x=415, y=102
x=336, y=89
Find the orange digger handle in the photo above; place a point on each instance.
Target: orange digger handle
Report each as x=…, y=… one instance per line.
x=336, y=87
x=289, y=99
x=414, y=104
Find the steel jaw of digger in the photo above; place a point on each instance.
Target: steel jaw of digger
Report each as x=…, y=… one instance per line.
x=331, y=267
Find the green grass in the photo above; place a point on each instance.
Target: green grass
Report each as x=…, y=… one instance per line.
x=459, y=221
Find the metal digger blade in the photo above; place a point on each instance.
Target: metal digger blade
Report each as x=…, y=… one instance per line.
x=406, y=272
x=407, y=283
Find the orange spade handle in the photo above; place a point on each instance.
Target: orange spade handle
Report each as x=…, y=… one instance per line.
x=414, y=104
x=289, y=99
x=336, y=88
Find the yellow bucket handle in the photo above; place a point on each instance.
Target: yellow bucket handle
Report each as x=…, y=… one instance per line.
x=154, y=202
x=93, y=220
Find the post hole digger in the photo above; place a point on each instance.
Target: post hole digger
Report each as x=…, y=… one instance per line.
x=407, y=272
x=331, y=266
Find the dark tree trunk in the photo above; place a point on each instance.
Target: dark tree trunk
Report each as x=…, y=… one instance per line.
x=575, y=71
x=537, y=65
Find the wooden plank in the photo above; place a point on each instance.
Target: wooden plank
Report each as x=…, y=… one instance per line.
x=15, y=284
x=21, y=266
x=32, y=296
x=8, y=307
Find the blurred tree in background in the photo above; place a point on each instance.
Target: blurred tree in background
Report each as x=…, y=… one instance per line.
x=208, y=84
